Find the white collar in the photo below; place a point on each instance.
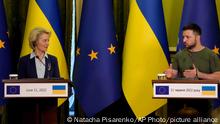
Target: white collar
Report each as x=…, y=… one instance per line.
x=34, y=55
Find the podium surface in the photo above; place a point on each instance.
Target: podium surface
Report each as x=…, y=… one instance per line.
x=201, y=89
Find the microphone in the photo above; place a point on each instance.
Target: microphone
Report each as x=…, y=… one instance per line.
x=48, y=66
x=40, y=61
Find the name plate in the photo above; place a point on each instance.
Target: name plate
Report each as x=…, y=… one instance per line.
x=35, y=90
x=185, y=90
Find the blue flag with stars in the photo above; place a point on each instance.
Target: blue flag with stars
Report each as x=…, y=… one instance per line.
x=204, y=14
x=5, y=61
x=97, y=70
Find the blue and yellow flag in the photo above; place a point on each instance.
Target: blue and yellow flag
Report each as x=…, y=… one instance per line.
x=5, y=53
x=45, y=13
x=97, y=70
x=145, y=55
x=204, y=14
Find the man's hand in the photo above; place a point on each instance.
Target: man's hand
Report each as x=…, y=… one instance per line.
x=170, y=72
x=190, y=73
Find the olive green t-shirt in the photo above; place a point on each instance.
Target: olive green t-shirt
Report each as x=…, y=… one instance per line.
x=205, y=61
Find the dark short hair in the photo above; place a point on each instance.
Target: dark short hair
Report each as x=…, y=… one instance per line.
x=194, y=27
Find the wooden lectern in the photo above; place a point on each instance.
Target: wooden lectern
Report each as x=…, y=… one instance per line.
x=34, y=101
x=186, y=98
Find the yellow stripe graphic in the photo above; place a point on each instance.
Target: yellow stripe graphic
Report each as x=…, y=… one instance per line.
x=208, y=93
x=59, y=92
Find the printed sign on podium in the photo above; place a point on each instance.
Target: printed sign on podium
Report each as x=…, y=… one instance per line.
x=185, y=89
x=35, y=88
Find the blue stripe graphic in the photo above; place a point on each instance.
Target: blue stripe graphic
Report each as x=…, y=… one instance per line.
x=208, y=88
x=59, y=87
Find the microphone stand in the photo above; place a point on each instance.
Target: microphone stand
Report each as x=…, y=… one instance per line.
x=47, y=68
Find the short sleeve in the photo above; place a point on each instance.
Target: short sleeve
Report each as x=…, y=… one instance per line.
x=214, y=63
x=175, y=62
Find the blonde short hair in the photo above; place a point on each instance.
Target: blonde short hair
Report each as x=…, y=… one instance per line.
x=34, y=35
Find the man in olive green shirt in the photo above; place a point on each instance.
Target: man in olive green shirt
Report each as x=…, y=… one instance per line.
x=194, y=62
x=203, y=64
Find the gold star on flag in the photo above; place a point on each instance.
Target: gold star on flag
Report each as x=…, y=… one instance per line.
x=77, y=51
x=111, y=49
x=216, y=50
x=2, y=44
x=93, y=55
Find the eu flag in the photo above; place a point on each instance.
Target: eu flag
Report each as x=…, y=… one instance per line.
x=203, y=13
x=162, y=90
x=13, y=89
x=5, y=61
x=97, y=72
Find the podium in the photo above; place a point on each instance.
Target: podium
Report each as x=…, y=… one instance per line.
x=186, y=98
x=34, y=100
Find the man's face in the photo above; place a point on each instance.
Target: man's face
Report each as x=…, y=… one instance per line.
x=189, y=39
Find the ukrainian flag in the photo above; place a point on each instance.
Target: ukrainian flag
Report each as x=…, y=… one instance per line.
x=208, y=90
x=45, y=13
x=145, y=55
x=59, y=89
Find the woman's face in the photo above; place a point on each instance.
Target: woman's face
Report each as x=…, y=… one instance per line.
x=42, y=42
